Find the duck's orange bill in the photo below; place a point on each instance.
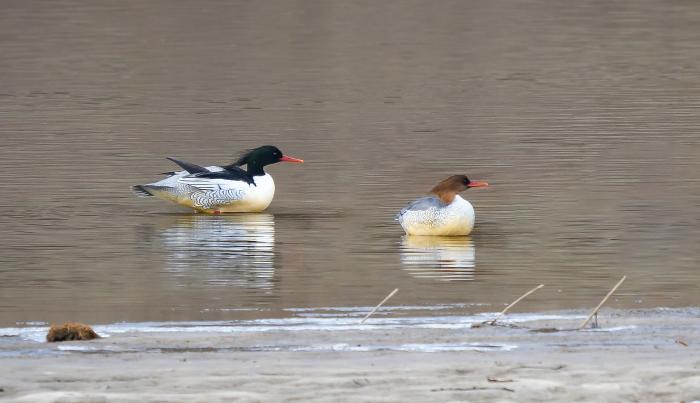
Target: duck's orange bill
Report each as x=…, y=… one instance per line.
x=477, y=184
x=287, y=158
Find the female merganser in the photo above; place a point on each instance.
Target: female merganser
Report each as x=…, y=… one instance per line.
x=444, y=212
x=442, y=258
x=221, y=189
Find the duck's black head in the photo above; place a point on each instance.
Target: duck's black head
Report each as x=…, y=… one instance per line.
x=257, y=158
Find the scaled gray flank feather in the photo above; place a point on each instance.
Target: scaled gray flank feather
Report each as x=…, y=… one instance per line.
x=424, y=203
x=216, y=198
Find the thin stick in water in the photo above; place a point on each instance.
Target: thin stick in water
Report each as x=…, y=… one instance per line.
x=595, y=311
x=380, y=304
x=503, y=312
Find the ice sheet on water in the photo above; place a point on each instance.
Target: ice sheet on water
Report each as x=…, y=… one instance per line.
x=325, y=321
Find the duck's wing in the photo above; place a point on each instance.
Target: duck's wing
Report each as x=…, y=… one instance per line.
x=235, y=174
x=188, y=166
x=220, y=180
x=424, y=203
x=193, y=180
x=210, y=168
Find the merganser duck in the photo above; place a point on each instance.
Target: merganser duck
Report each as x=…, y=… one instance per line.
x=444, y=212
x=221, y=189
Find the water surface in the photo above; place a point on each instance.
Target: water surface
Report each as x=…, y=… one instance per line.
x=583, y=117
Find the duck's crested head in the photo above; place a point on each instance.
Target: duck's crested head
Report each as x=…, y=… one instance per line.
x=264, y=155
x=448, y=188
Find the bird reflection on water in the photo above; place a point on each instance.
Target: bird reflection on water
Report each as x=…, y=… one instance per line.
x=438, y=258
x=230, y=250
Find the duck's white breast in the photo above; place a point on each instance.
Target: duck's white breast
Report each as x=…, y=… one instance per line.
x=256, y=197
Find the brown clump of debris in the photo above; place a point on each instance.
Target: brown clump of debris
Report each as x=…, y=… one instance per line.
x=71, y=331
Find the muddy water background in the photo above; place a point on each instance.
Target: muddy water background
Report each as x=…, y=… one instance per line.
x=582, y=115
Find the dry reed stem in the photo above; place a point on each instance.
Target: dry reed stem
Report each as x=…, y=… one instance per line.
x=380, y=304
x=503, y=312
x=595, y=311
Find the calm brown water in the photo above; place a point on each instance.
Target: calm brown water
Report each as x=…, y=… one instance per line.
x=584, y=117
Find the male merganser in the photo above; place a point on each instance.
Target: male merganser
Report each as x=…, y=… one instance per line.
x=221, y=189
x=444, y=212
x=237, y=249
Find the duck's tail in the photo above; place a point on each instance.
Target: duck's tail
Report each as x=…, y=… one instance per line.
x=141, y=191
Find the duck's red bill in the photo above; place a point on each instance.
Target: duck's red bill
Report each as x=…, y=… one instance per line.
x=477, y=184
x=287, y=158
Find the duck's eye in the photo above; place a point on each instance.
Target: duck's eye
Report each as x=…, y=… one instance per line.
x=465, y=181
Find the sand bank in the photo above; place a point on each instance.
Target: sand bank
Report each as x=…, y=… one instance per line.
x=645, y=355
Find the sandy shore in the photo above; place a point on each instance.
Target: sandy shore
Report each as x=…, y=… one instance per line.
x=637, y=356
